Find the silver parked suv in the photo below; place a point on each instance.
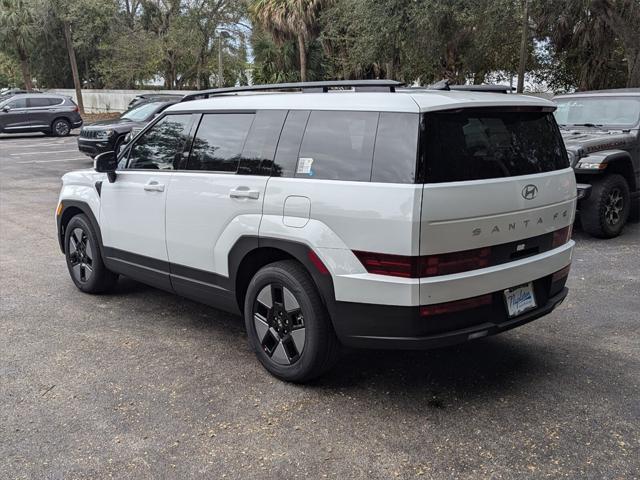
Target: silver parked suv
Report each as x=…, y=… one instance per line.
x=48, y=113
x=349, y=213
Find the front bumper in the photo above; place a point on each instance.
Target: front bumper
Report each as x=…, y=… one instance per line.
x=394, y=327
x=92, y=147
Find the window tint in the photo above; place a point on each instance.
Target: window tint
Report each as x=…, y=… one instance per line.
x=396, y=152
x=338, y=146
x=218, y=143
x=260, y=147
x=289, y=144
x=481, y=144
x=39, y=102
x=18, y=103
x=160, y=147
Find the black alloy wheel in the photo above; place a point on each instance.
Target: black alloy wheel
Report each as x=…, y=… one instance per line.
x=279, y=323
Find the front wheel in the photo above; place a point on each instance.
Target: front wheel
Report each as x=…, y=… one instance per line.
x=287, y=324
x=605, y=213
x=84, y=259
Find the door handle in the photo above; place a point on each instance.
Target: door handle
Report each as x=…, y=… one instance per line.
x=244, y=192
x=154, y=186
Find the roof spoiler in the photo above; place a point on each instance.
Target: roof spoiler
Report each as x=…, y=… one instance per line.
x=357, y=85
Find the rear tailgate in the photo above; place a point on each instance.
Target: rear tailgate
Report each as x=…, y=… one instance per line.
x=497, y=185
x=460, y=216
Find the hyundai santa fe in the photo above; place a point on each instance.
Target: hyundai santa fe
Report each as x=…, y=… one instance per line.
x=345, y=213
x=39, y=112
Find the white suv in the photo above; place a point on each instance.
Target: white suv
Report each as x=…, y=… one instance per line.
x=364, y=216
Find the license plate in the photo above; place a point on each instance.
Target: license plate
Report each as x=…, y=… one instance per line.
x=519, y=299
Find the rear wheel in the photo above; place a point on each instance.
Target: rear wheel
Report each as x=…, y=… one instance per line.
x=60, y=127
x=287, y=324
x=84, y=259
x=606, y=211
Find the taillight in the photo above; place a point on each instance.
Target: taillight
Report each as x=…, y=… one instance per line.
x=455, y=262
x=456, y=306
x=393, y=265
x=562, y=236
x=76, y=109
x=426, y=266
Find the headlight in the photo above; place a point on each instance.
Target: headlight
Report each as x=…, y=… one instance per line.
x=591, y=166
x=104, y=134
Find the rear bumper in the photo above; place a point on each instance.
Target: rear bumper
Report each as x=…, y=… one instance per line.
x=396, y=327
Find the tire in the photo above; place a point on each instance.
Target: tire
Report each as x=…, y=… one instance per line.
x=605, y=213
x=60, y=127
x=84, y=258
x=287, y=324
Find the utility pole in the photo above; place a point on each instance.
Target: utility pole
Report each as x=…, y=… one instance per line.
x=220, y=69
x=523, y=47
x=74, y=66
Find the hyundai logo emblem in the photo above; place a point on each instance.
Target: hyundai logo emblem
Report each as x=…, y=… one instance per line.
x=529, y=192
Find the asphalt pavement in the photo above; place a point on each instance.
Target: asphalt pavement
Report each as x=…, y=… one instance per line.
x=140, y=383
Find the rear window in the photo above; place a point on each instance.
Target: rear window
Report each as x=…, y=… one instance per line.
x=482, y=144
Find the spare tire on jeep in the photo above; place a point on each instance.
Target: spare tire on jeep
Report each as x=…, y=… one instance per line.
x=606, y=211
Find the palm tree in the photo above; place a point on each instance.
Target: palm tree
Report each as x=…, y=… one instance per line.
x=17, y=31
x=285, y=19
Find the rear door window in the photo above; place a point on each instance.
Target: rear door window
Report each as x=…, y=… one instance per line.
x=485, y=143
x=338, y=146
x=219, y=141
x=40, y=102
x=260, y=147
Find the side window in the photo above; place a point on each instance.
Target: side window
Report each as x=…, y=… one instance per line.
x=396, y=152
x=160, y=148
x=289, y=144
x=338, y=146
x=38, y=102
x=219, y=141
x=260, y=147
x=18, y=103
x=55, y=101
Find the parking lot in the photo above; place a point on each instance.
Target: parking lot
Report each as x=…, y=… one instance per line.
x=144, y=384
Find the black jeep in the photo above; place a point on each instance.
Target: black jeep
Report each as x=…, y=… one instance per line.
x=601, y=133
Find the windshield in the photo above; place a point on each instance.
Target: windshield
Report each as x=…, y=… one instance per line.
x=142, y=112
x=613, y=111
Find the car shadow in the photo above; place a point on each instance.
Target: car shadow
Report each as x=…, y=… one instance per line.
x=490, y=366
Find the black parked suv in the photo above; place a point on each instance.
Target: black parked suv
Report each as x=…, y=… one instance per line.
x=600, y=130
x=153, y=97
x=48, y=113
x=110, y=135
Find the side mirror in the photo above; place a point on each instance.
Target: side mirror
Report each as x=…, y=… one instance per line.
x=107, y=162
x=128, y=137
x=6, y=108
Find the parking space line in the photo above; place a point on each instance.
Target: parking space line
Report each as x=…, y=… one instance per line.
x=41, y=153
x=57, y=160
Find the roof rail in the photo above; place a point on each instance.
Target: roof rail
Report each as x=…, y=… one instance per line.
x=358, y=85
x=447, y=86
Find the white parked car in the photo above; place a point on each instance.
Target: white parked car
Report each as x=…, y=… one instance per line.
x=370, y=217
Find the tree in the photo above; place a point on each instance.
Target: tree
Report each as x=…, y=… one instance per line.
x=18, y=30
x=286, y=19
